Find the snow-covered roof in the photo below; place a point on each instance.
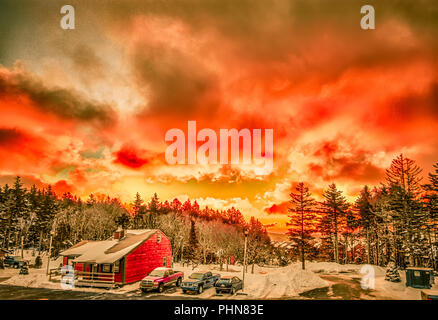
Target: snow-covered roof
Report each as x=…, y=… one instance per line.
x=108, y=251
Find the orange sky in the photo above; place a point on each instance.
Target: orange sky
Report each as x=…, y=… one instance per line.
x=86, y=110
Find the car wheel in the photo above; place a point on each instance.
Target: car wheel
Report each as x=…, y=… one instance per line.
x=144, y=290
x=200, y=289
x=15, y=266
x=178, y=282
x=184, y=291
x=217, y=291
x=160, y=288
x=233, y=291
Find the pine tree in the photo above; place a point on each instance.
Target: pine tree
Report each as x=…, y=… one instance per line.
x=192, y=250
x=301, y=220
x=139, y=220
x=351, y=222
x=392, y=274
x=405, y=173
x=366, y=212
x=48, y=209
x=430, y=200
x=333, y=209
x=258, y=240
x=153, y=211
x=33, y=198
x=403, y=177
x=17, y=209
x=4, y=215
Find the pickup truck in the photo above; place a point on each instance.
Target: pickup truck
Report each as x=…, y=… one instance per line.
x=160, y=278
x=199, y=281
x=14, y=261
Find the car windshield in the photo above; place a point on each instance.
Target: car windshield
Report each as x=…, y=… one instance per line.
x=157, y=273
x=196, y=276
x=224, y=280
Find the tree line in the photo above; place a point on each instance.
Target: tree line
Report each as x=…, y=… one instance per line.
x=29, y=217
x=396, y=221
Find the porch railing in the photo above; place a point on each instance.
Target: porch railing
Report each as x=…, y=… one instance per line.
x=89, y=278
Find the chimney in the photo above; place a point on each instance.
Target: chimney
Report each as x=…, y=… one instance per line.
x=119, y=234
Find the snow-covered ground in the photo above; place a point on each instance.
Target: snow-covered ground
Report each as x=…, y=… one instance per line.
x=265, y=283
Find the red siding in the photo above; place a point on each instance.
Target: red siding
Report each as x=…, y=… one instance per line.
x=147, y=257
x=79, y=266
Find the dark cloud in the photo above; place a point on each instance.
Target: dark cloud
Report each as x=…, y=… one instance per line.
x=413, y=104
x=61, y=102
x=130, y=157
x=336, y=166
x=174, y=85
x=86, y=61
x=10, y=136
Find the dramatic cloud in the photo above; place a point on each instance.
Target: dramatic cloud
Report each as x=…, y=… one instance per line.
x=86, y=110
x=129, y=156
x=61, y=102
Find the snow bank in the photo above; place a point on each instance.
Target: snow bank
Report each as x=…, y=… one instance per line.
x=32, y=280
x=268, y=282
x=36, y=278
x=283, y=282
x=397, y=290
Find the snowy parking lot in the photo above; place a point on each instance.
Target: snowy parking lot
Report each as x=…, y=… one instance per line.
x=320, y=280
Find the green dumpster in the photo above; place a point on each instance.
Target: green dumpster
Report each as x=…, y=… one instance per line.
x=421, y=278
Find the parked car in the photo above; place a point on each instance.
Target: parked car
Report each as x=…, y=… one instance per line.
x=160, y=278
x=199, y=281
x=229, y=284
x=14, y=261
x=429, y=295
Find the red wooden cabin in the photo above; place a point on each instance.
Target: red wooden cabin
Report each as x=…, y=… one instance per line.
x=125, y=258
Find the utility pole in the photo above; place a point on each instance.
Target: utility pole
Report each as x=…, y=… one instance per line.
x=50, y=252
x=246, y=231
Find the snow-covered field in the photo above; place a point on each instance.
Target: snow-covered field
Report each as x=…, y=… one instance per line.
x=265, y=283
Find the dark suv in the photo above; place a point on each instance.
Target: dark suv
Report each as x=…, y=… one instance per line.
x=228, y=284
x=14, y=261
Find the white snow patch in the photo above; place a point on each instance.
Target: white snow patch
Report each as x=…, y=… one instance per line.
x=284, y=282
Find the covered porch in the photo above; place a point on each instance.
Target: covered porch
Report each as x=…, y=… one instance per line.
x=88, y=274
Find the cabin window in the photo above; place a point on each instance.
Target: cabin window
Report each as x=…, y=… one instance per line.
x=159, y=238
x=117, y=266
x=106, y=268
x=164, y=261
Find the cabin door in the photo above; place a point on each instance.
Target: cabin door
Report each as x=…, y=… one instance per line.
x=95, y=270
